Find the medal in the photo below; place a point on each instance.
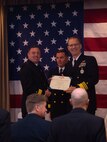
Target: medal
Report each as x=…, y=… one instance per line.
x=81, y=71
x=82, y=64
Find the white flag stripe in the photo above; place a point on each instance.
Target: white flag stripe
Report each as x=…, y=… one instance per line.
x=101, y=57
x=92, y=4
x=15, y=87
x=15, y=114
x=101, y=87
x=95, y=30
x=101, y=112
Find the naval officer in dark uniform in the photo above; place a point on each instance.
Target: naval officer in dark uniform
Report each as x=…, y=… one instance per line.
x=32, y=77
x=59, y=100
x=84, y=72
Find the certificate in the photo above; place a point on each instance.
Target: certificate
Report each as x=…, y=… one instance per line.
x=60, y=82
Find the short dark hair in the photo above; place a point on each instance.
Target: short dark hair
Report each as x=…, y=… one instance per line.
x=33, y=47
x=34, y=99
x=62, y=51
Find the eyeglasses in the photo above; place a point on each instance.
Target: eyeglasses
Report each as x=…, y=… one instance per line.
x=71, y=45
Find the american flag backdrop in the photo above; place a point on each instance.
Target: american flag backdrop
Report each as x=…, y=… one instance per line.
x=49, y=26
x=95, y=43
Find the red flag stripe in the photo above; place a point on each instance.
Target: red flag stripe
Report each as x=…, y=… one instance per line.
x=103, y=72
x=101, y=101
x=15, y=101
x=95, y=15
x=97, y=44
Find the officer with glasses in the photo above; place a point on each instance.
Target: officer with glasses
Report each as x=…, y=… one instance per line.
x=84, y=72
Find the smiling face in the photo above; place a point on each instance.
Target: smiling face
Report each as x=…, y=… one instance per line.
x=61, y=59
x=74, y=47
x=34, y=55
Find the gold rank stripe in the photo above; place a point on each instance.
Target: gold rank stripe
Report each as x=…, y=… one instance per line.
x=39, y=92
x=83, y=85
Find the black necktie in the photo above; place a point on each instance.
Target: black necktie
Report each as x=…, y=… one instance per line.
x=74, y=62
x=61, y=71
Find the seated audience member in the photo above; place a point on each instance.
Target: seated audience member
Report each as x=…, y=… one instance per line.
x=33, y=128
x=4, y=126
x=78, y=125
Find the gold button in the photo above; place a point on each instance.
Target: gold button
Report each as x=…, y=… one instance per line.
x=62, y=94
x=49, y=105
x=54, y=94
x=62, y=102
x=54, y=102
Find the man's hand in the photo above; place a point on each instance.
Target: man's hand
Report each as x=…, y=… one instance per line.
x=70, y=89
x=47, y=93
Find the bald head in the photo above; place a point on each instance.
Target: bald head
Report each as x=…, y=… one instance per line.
x=79, y=98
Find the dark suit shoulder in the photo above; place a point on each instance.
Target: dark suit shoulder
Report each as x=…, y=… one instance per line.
x=69, y=64
x=89, y=57
x=27, y=64
x=35, y=119
x=80, y=114
x=53, y=71
x=61, y=118
x=4, y=126
x=94, y=118
x=31, y=122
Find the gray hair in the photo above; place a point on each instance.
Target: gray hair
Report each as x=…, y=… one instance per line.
x=79, y=97
x=34, y=99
